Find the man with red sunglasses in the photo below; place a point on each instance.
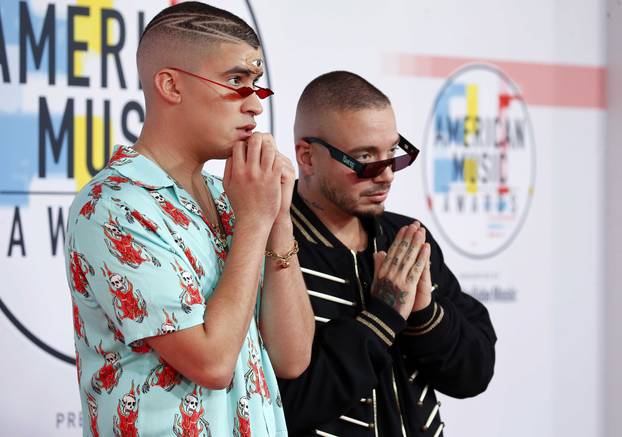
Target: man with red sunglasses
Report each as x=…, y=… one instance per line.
x=187, y=294
x=392, y=323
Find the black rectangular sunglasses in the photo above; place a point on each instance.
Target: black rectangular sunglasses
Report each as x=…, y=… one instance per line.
x=371, y=169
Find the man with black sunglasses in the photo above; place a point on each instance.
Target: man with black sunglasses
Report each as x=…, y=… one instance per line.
x=392, y=323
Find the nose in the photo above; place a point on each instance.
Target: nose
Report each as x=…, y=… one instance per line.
x=386, y=177
x=252, y=105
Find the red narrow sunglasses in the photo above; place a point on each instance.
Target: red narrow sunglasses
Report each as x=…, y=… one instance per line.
x=244, y=91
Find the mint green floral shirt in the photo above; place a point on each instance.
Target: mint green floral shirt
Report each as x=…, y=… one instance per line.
x=142, y=261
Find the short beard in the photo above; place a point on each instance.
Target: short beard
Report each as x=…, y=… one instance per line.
x=347, y=204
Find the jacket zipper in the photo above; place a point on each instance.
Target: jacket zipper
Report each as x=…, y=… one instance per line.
x=358, y=279
x=397, y=400
x=397, y=397
x=358, y=282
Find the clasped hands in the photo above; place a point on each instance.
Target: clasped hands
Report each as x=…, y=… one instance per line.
x=402, y=275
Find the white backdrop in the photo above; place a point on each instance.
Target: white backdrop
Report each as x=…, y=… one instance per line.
x=543, y=286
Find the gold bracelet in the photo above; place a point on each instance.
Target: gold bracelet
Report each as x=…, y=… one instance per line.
x=283, y=260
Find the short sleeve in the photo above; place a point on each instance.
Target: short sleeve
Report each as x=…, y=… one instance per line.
x=142, y=280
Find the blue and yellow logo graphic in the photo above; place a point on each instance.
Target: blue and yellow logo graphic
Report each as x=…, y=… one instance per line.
x=479, y=161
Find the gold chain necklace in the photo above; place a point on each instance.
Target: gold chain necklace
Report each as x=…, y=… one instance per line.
x=216, y=227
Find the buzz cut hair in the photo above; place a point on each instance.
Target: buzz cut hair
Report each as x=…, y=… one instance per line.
x=341, y=91
x=198, y=22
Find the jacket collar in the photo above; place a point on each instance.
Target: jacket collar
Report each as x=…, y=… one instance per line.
x=314, y=230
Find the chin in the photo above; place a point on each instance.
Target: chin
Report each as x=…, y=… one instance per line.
x=226, y=150
x=370, y=211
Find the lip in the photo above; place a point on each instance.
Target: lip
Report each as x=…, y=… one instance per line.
x=378, y=197
x=249, y=126
x=244, y=134
x=246, y=131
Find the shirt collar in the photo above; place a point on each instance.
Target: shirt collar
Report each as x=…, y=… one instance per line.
x=138, y=168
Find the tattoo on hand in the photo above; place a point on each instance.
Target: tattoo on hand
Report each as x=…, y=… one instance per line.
x=390, y=294
x=395, y=260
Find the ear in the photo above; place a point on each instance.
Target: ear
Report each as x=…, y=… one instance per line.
x=304, y=157
x=167, y=87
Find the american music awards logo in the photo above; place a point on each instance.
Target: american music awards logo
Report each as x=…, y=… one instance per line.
x=70, y=92
x=479, y=161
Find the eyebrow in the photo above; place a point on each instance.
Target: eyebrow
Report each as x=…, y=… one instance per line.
x=371, y=148
x=363, y=149
x=243, y=70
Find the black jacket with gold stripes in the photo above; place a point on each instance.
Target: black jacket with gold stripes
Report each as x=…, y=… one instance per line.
x=371, y=372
